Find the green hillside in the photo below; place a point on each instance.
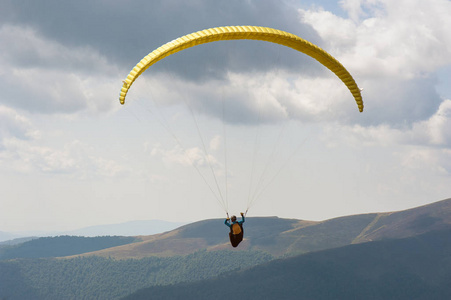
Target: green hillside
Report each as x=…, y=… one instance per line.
x=109, y=279
x=410, y=268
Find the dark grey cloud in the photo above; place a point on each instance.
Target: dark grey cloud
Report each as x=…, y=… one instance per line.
x=126, y=31
x=25, y=48
x=123, y=32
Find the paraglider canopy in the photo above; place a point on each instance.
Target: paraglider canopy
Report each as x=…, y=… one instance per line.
x=241, y=33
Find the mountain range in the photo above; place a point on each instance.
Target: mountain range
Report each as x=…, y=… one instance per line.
x=131, y=228
x=393, y=255
x=282, y=237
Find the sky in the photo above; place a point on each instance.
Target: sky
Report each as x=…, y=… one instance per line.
x=226, y=126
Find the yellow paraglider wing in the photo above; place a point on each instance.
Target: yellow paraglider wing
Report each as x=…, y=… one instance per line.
x=244, y=33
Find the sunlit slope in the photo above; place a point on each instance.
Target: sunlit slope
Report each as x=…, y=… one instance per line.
x=289, y=236
x=409, y=222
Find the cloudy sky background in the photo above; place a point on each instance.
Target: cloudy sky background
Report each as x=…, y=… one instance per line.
x=72, y=156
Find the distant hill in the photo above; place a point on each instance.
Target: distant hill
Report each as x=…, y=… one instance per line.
x=5, y=236
x=281, y=237
x=60, y=246
x=410, y=268
x=132, y=228
x=17, y=241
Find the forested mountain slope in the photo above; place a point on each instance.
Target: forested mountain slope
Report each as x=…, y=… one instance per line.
x=411, y=268
x=103, y=278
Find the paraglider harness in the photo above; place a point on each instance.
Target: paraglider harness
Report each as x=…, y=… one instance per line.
x=236, y=233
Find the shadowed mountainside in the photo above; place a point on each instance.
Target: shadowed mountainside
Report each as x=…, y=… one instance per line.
x=411, y=268
x=289, y=236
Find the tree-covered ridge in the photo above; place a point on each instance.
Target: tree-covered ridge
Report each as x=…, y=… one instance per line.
x=411, y=268
x=61, y=246
x=104, y=278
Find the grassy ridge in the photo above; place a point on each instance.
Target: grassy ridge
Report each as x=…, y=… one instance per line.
x=285, y=237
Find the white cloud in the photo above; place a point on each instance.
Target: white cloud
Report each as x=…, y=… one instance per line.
x=422, y=148
x=23, y=157
x=253, y=98
x=433, y=132
x=194, y=156
x=430, y=161
x=74, y=159
x=436, y=130
x=338, y=33
x=393, y=49
x=215, y=143
x=353, y=8
x=23, y=149
x=15, y=124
